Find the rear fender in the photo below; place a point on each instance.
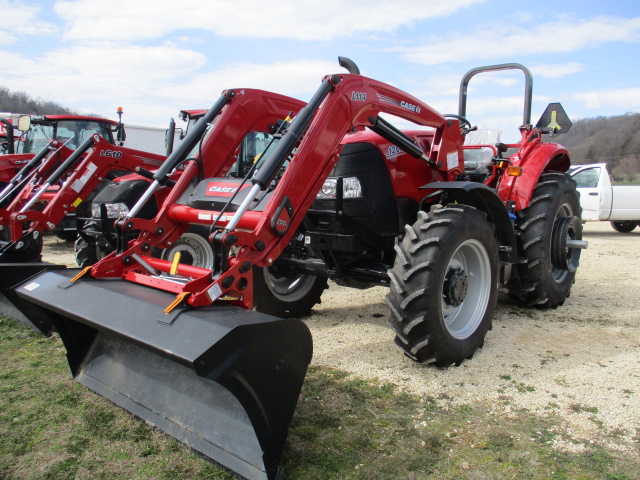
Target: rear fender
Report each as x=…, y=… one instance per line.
x=485, y=199
x=534, y=159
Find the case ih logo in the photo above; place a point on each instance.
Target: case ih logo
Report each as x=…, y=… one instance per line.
x=410, y=106
x=222, y=189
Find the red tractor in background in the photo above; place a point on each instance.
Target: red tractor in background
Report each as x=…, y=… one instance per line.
x=7, y=138
x=37, y=133
x=337, y=193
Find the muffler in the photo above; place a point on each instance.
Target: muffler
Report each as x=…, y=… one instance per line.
x=220, y=379
x=13, y=274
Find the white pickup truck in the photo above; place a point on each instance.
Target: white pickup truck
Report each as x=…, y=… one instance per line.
x=601, y=201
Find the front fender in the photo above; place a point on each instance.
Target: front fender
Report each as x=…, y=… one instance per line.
x=485, y=199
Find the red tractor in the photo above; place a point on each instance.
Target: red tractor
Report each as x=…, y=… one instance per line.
x=37, y=133
x=337, y=193
x=7, y=141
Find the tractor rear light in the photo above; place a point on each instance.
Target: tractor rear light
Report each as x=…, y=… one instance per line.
x=514, y=171
x=351, y=188
x=114, y=210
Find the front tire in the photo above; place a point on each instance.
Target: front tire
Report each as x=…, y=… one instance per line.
x=444, y=285
x=286, y=295
x=92, y=250
x=552, y=218
x=624, y=227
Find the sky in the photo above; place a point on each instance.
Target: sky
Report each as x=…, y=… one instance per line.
x=154, y=58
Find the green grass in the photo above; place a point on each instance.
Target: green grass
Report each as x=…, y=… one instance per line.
x=344, y=428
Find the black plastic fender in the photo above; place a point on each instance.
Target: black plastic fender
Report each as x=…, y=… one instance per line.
x=486, y=199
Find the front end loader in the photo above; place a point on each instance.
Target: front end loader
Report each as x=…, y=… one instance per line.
x=221, y=379
x=337, y=193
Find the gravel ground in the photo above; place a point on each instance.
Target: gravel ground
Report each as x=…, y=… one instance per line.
x=581, y=360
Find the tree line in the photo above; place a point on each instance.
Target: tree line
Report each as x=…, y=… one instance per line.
x=611, y=140
x=20, y=102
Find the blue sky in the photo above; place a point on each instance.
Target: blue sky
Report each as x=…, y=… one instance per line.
x=156, y=57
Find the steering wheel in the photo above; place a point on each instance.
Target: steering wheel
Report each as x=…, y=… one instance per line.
x=463, y=120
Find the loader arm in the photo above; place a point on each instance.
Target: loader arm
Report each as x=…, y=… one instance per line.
x=31, y=177
x=103, y=159
x=342, y=103
x=245, y=111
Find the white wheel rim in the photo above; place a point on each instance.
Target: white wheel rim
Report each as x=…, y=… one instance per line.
x=195, y=246
x=463, y=320
x=288, y=289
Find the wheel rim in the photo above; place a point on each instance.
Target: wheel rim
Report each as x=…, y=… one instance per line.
x=194, y=250
x=102, y=250
x=466, y=289
x=288, y=289
x=566, y=258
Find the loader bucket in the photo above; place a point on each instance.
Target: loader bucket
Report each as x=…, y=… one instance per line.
x=13, y=274
x=221, y=379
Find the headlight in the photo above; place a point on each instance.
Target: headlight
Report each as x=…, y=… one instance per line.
x=351, y=188
x=114, y=210
x=329, y=188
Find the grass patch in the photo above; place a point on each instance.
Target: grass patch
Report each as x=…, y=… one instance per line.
x=344, y=428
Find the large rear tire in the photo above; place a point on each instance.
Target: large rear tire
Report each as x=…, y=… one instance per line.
x=624, y=227
x=286, y=295
x=444, y=285
x=552, y=218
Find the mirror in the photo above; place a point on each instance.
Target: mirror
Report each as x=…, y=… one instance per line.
x=24, y=123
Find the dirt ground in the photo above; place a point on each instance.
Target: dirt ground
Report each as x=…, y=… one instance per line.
x=580, y=361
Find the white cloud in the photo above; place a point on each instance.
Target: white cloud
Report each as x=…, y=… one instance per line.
x=299, y=77
x=556, y=71
x=508, y=40
x=150, y=83
x=626, y=99
x=19, y=19
x=133, y=64
x=300, y=20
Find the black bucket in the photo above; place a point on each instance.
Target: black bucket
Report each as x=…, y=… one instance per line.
x=13, y=274
x=221, y=379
